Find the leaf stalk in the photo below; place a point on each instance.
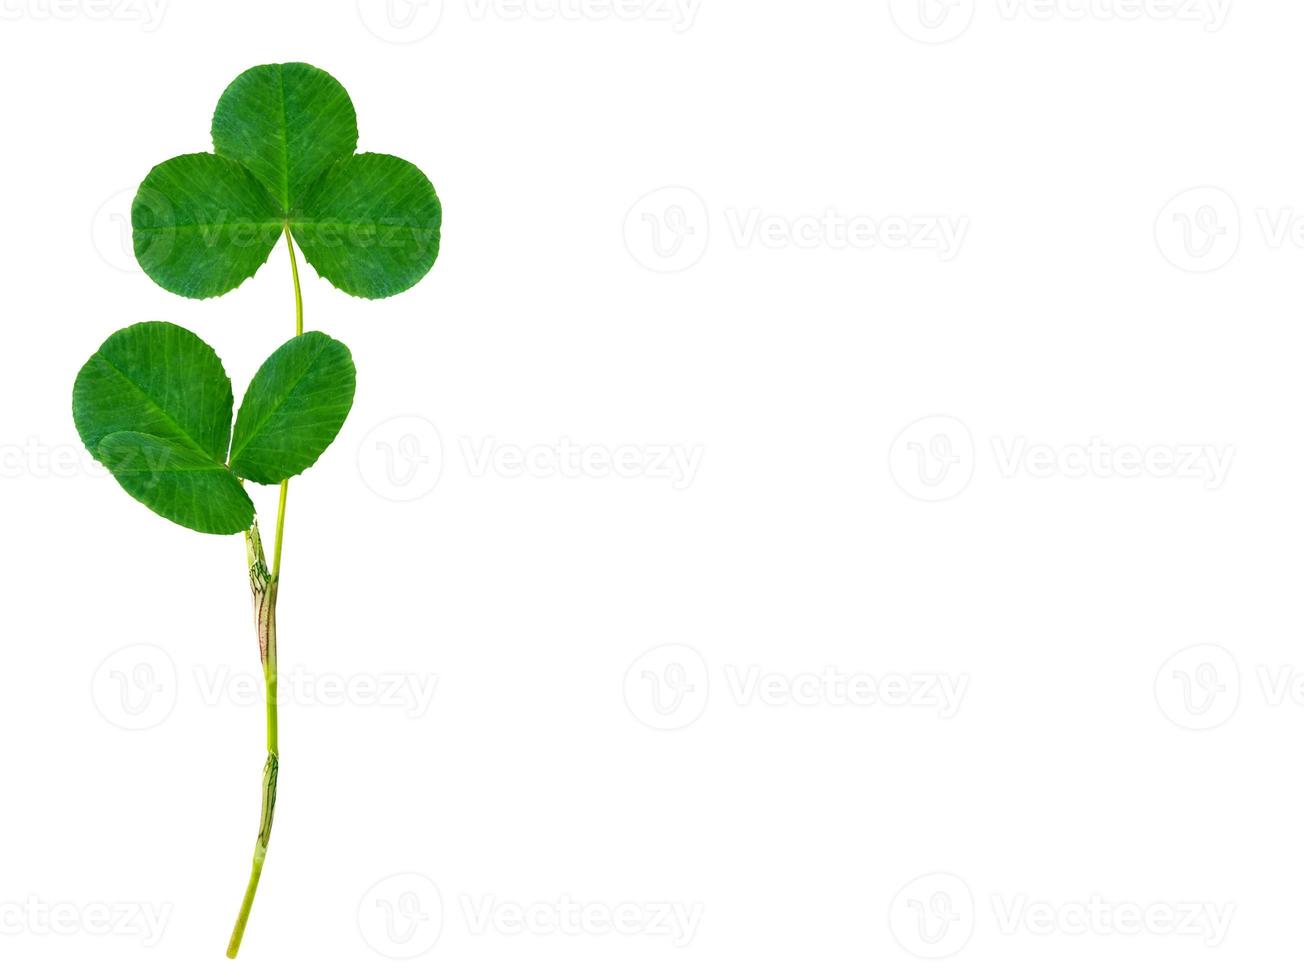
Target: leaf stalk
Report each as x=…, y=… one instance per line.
x=265, y=587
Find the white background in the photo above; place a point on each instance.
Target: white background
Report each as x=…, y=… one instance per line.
x=1106, y=362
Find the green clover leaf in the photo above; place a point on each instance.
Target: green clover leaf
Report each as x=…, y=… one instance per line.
x=202, y=225
x=370, y=226
x=294, y=408
x=153, y=404
x=286, y=124
x=178, y=483
x=285, y=137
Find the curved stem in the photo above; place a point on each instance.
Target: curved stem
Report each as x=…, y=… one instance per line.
x=266, y=586
x=298, y=294
x=298, y=332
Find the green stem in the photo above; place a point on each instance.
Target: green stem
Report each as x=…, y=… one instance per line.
x=266, y=587
x=298, y=295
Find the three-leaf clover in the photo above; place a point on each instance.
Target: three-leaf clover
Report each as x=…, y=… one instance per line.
x=154, y=403
x=284, y=138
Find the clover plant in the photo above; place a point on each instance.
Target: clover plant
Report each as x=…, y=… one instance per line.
x=154, y=404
